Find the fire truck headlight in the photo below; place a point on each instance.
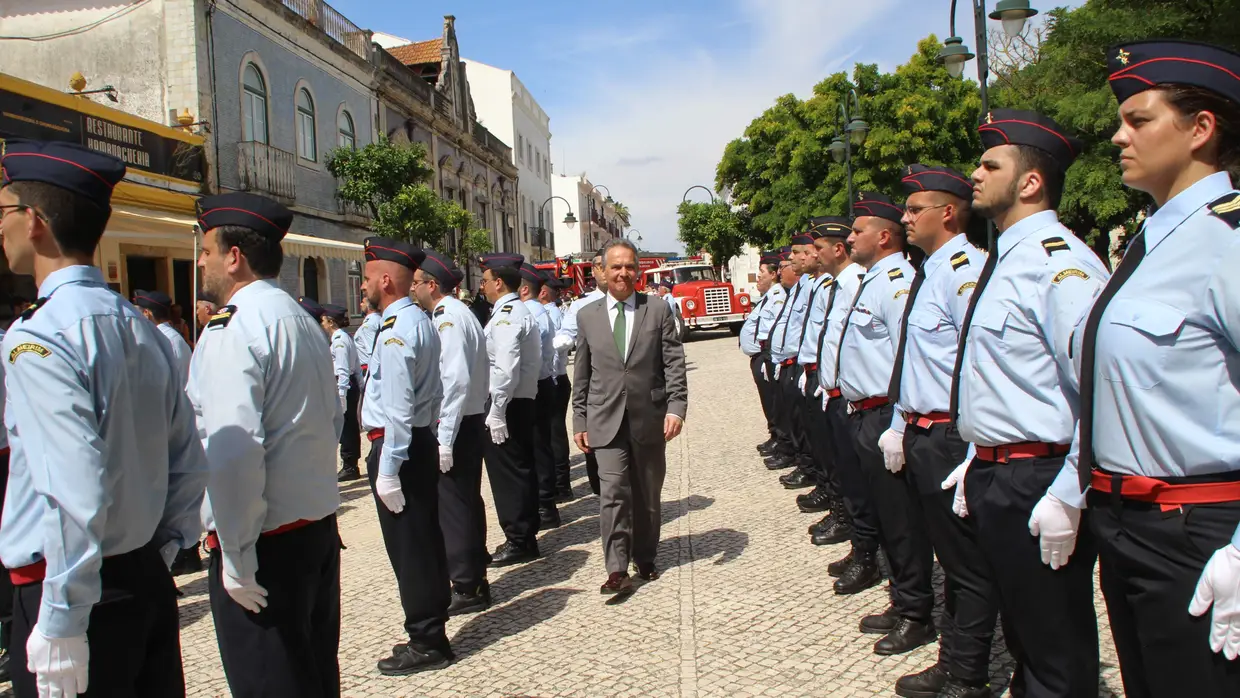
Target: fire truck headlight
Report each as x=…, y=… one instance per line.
x=745, y=301
x=690, y=304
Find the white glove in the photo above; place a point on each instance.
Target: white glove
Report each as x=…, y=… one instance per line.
x=59, y=664
x=498, y=427
x=246, y=592
x=764, y=372
x=344, y=405
x=1220, y=585
x=445, y=458
x=956, y=479
x=388, y=489
x=819, y=391
x=801, y=384
x=825, y=400
x=891, y=443
x=775, y=372
x=1055, y=524
x=168, y=551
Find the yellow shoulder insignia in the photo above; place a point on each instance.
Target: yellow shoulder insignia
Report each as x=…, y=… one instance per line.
x=895, y=274
x=394, y=340
x=502, y=322
x=1053, y=245
x=826, y=283
x=388, y=324
x=223, y=317
x=1069, y=272
x=960, y=259
x=29, y=348
x=901, y=292
x=965, y=287
x=506, y=309
x=445, y=325
x=1228, y=209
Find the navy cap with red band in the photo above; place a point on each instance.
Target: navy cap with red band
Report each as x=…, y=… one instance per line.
x=75, y=168
x=805, y=238
x=268, y=218
x=932, y=178
x=153, y=300
x=442, y=268
x=1031, y=129
x=1141, y=65
x=392, y=250
x=872, y=203
x=311, y=306
x=501, y=259
x=769, y=257
x=338, y=313
x=831, y=226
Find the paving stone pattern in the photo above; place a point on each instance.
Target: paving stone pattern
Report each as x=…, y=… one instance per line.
x=744, y=607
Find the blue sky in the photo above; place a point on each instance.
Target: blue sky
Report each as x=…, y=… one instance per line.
x=644, y=95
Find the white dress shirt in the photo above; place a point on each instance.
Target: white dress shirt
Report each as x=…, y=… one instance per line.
x=630, y=306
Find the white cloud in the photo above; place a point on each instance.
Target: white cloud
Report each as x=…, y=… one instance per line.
x=656, y=118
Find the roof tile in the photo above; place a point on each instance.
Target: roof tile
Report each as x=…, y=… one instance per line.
x=418, y=52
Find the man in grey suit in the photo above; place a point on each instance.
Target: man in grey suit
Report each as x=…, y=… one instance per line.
x=630, y=395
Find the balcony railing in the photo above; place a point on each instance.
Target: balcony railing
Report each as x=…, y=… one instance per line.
x=267, y=170
x=333, y=24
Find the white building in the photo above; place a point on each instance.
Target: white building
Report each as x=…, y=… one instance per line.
x=597, y=221
x=743, y=272
x=509, y=111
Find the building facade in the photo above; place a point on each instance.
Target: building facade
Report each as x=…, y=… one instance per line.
x=594, y=211
x=510, y=111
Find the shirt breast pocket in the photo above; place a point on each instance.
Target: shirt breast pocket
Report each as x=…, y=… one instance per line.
x=1134, y=344
x=990, y=335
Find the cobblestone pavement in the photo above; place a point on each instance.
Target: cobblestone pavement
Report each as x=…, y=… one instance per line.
x=744, y=607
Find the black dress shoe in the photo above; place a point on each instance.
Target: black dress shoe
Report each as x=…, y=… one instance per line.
x=348, y=474
x=407, y=660
x=548, y=518
x=861, y=575
x=796, y=480
x=907, y=636
x=818, y=500
x=779, y=462
x=647, y=571
x=924, y=684
x=617, y=583
x=509, y=554
x=880, y=623
x=835, y=533
x=187, y=561
x=959, y=689
x=564, y=496
x=840, y=566
x=767, y=446
x=470, y=601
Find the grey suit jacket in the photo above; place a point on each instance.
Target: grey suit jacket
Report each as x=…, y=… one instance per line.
x=648, y=385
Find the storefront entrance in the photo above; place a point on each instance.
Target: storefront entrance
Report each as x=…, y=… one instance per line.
x=142, y=273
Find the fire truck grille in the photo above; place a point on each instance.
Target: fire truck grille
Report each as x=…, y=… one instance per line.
x=718, y=301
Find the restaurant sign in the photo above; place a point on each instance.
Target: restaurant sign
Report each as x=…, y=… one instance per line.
x=140, y=149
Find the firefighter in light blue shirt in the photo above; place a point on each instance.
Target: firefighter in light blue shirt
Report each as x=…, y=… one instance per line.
x=549, y=297
x=400, y=405
x=106, y=470
x=780, y=351
x=514, y=348
x=349, y=377
x=803, y=373
x=465, y=374
x=754, y=343
x=157, y=307
x=1015, y=394
x=566, y=339
x=532, y=282
x=364, y=338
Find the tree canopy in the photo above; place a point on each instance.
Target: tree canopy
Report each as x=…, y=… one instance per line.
x=716, y=228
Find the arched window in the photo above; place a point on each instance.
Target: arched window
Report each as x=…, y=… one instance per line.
x=310, y=278
x=306, y=146
x=254, y=105
x=347, y=135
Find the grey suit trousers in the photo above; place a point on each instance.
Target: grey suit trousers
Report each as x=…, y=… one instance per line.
x=631, y=475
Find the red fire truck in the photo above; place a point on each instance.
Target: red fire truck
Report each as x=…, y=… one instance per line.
x=705, y=301
x=581, y=271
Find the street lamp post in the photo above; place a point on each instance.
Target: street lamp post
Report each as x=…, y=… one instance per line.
x=855, y=130
x=569, y=221
x=697, y=186
x=629, y=236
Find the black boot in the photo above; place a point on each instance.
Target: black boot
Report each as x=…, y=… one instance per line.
x=817, y=500
x=767, y=447
x=407, y=659
x=188, y=561
x=907, y=636
x=548, y=517
x=924, y=684
x=835, y=532
x=470, y=600
x=348, y=473
x=822, y=523
x=509, y=554
x=779, y=462
x=837, y=568
x=796, y=480
x=861, y=575
x=956, y=688
x=880, y=623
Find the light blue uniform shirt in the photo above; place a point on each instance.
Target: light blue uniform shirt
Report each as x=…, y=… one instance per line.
x=262, y=385
x=181, y=352
x=514, y=351
x=1017, y=382
x=566, y=337
x=777, y=297
x=815, y=315
x=404, y=390
x=557, y=321
x=364, y=337
x=462, y=366
x=4, y=433
x=868, y=351
x=1166, y=393
x=546, y=336
x=786, y=337
x=105, y=457
x=345, y=362
x=847, y=284
x=934, y=329
x=749, y=329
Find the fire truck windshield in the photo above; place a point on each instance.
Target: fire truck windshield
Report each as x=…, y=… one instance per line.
x=686, y=274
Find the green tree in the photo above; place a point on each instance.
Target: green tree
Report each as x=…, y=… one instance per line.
x=716, y=228
x=622, y=211
x=389, y=180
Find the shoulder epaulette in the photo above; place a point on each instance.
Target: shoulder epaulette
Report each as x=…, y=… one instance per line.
x=388, y=324
x=1053, y=245
x=895, y=274
x=223, y=317
x=506, y=308
x=960, y=259
x=439, y=311
x=34, y=307
x=1227, y=208
x=826, y=283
